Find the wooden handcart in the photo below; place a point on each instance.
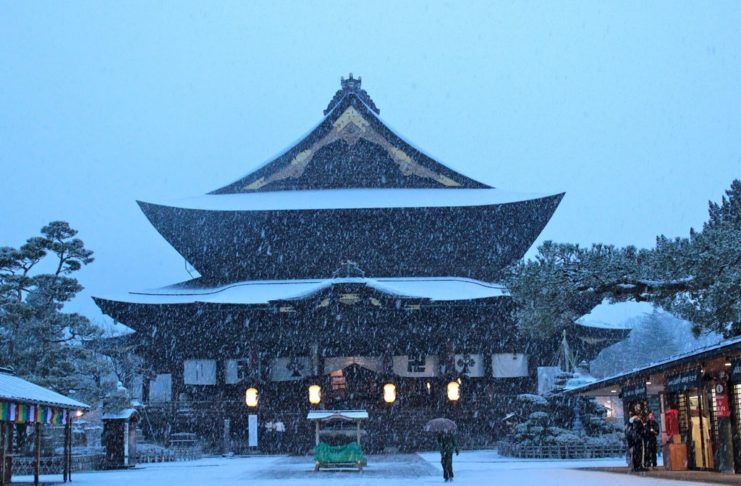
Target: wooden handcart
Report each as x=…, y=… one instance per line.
x=337, y=439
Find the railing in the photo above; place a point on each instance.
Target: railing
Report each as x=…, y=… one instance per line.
x=169, y=455
x=559, y=451
x=23, y=465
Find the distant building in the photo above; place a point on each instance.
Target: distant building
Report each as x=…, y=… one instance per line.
x=350, y=262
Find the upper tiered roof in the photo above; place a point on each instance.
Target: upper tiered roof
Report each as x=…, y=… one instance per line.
x=350, y=148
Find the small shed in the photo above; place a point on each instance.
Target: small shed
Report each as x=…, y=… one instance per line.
x=119, y=438
x=23, y=402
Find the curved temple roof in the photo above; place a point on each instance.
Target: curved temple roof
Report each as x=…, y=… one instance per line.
x=265, y=291
x=350, y=199
x=350, y=148
x=393, y=234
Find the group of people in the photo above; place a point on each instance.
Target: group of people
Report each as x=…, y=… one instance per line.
x=641, y=434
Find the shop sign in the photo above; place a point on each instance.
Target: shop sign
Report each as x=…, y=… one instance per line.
x=683, y=381
x=736, y=371
x=634, y=392
x=722, y=408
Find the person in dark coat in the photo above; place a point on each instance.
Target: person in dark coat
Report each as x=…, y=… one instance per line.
x=651, y=433
x=634, y=436
x=448, y=445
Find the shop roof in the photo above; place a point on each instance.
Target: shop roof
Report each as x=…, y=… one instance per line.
x=16, y=389
x=716, y=350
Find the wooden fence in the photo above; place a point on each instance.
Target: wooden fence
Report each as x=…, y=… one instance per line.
x=559, y=451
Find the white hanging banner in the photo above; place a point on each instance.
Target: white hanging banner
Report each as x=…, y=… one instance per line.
x=252, y=430
x=509, y=365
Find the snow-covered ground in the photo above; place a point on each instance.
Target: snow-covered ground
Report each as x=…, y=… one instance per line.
x=477, y=467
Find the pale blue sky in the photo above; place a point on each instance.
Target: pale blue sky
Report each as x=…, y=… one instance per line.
x=632, y=108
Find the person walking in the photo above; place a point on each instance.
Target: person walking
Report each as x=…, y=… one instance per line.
x=448, y=444
x=651, y=433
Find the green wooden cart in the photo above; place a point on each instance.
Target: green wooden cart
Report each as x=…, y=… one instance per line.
x=344, y=425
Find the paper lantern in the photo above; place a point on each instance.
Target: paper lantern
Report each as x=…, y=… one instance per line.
x=250, y=397
x=454, y=391
x=389, y=393
x=315, y=394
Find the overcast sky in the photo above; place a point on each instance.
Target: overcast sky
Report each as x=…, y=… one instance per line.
x=631, y=108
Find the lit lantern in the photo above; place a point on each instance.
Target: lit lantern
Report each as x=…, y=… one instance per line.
x=389, y=393
x=250, y=397
x=454, y=391
x=315, y=394
x=79, y=413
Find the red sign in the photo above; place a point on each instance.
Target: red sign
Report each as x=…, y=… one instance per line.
x=722, y=409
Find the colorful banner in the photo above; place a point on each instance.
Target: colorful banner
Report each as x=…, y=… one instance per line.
x=22, y=413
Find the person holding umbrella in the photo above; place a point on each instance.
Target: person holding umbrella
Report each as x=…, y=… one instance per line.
x=447, y=443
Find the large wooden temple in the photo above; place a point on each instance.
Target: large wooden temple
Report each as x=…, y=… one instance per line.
x=351, y=262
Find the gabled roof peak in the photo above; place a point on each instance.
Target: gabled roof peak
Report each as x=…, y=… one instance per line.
x=352, y=86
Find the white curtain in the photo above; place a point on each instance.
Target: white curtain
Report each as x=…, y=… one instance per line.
x=509, y=365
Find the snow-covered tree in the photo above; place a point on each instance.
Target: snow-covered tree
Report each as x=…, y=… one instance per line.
x=697, y=278
x=37, y=338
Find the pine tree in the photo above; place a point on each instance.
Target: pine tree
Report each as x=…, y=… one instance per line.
x=698, y=277
x=37, y=338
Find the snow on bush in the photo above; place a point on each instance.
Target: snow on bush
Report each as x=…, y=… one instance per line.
x=533, y=399
x=568, y=438
x=539, y=417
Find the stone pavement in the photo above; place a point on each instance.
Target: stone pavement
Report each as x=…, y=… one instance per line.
x=660, y=473
x=379, y=466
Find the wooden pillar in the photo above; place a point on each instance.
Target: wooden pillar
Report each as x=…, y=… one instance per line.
x=69, y=455
x=2, y=453
x=67, y=452
x=9, y=429
x=37, y=462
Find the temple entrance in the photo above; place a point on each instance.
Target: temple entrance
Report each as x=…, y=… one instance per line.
x=353, y=386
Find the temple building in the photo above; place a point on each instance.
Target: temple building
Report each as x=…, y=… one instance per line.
x=353, y=264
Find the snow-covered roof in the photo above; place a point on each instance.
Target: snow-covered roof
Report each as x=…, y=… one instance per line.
x=264, y=291
x=16, y=389
x=124, y=414
x=717, y=349
x=615, y=316
x=351, y=199
x=337, y=414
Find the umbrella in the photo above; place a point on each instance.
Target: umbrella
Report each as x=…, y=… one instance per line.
x=440, y=425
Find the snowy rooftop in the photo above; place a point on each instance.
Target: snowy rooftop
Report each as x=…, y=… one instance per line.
x=337, y=414
x=615, y=316
x=718, y=349
x=351, y=199
x=124, y=414
x=264, y=291
x=16, y=389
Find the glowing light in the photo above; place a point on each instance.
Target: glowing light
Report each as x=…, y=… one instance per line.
x=454, y=391
x=250, y=397
x=315, y=394
x=79, y=413
x=389, y=393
